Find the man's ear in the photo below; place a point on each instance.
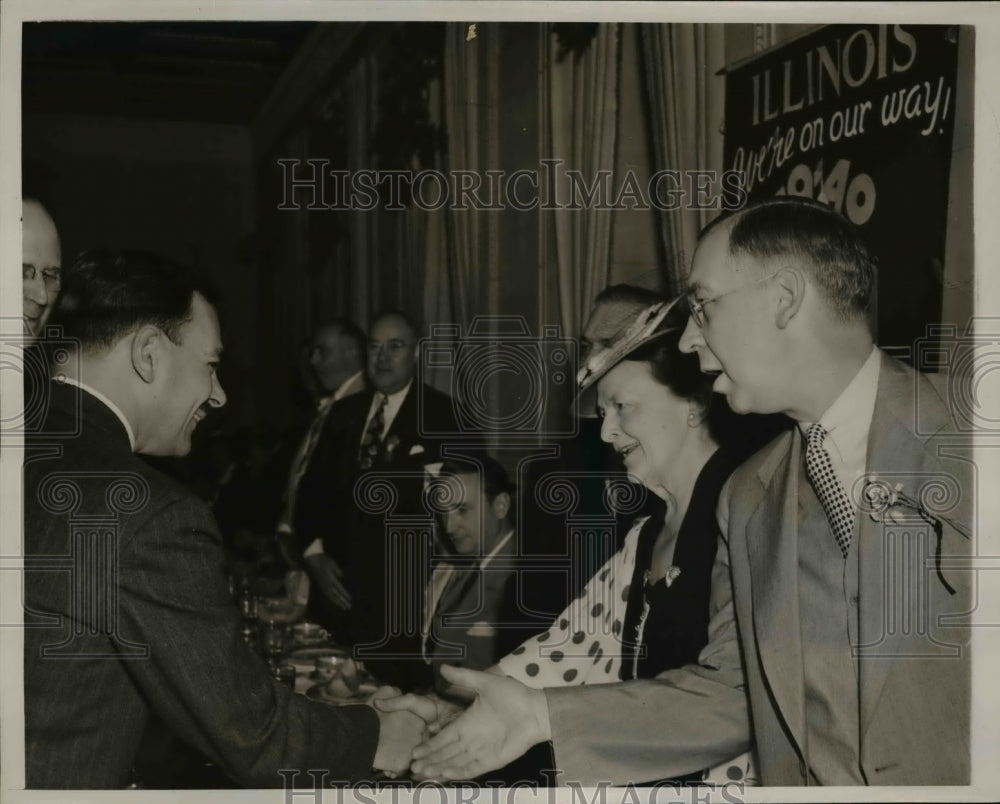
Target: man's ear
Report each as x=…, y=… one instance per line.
x=791, y=284
x=146, y=345
x=501, y=505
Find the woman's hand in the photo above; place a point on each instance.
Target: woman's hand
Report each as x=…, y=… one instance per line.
x=505, y=720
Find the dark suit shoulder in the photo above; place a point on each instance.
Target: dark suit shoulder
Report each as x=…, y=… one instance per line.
x=437, y=410
x=350, y=408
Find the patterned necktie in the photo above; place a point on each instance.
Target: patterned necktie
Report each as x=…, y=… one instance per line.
x=829, y=489
x=372, y=439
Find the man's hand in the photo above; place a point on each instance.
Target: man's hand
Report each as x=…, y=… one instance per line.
x=326, y=573
x=434, y=711
x=399, y=733
x=504, y=721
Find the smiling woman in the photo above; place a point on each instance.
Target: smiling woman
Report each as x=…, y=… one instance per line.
x=647, y=609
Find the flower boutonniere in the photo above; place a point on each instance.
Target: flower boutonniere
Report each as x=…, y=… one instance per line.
x=888, y=503
x=391, y=445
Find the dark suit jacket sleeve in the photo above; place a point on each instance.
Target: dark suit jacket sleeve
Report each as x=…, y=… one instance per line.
x=203, y=680
x=682, y=721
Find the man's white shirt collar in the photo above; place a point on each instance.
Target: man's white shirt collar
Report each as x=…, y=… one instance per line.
x=111, y=405
x=499, y=546
x=393, y=403
x=342, y=388
x=848, y=422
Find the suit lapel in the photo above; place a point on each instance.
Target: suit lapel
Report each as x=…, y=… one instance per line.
x=772, y=547
x=458, y=587
x=355, y=412
x=892, y=451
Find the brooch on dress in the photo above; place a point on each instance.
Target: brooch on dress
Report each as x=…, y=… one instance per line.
x=671, y=575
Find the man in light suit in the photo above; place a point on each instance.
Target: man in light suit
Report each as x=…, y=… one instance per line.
x=840, y=605
x=127, y=612
x=393, y=429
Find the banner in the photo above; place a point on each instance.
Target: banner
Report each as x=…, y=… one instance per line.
x=859, y=117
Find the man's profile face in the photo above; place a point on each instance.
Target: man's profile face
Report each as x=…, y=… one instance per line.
x=392, y=354
x=328, y=358
x=189, y=385
x=471, y=524
x=737, y=342
x=40, y=268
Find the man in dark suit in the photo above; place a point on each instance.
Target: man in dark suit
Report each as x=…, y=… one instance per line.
x=386, y=433
x=841, y=596
x=470, y=607
x=336, y=359
x=127, y=612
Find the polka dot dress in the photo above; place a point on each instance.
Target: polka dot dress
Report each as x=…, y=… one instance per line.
x=583, y=644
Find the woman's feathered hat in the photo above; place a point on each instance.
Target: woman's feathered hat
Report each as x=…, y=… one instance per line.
x=649, y=325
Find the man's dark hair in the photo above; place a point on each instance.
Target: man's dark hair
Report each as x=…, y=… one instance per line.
x=824, y=240
x=106, y=294
x=493, y=476
x=351, y=331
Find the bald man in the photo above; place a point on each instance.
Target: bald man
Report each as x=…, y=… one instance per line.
x=41, y=270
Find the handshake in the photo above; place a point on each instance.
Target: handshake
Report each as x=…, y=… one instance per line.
x=433, y=738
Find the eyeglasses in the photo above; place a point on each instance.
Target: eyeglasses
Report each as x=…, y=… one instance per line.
x=51, y=276
x=697, y=308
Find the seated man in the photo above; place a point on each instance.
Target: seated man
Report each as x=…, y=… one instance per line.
x=127, y=614
x=470, y=615
x=470, y=612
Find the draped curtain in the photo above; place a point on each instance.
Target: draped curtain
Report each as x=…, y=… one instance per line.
x=686, y=102
x=361, y=93
x=580, y=91
x=394, y=253
x=470, y=116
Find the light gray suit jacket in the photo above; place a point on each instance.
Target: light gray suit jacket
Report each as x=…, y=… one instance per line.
x=914, y=681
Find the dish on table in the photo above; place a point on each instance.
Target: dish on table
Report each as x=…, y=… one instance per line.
x=340, y=696
x=309, y=633
x=304, y=659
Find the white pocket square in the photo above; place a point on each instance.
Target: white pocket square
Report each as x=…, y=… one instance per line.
x=416, y=449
